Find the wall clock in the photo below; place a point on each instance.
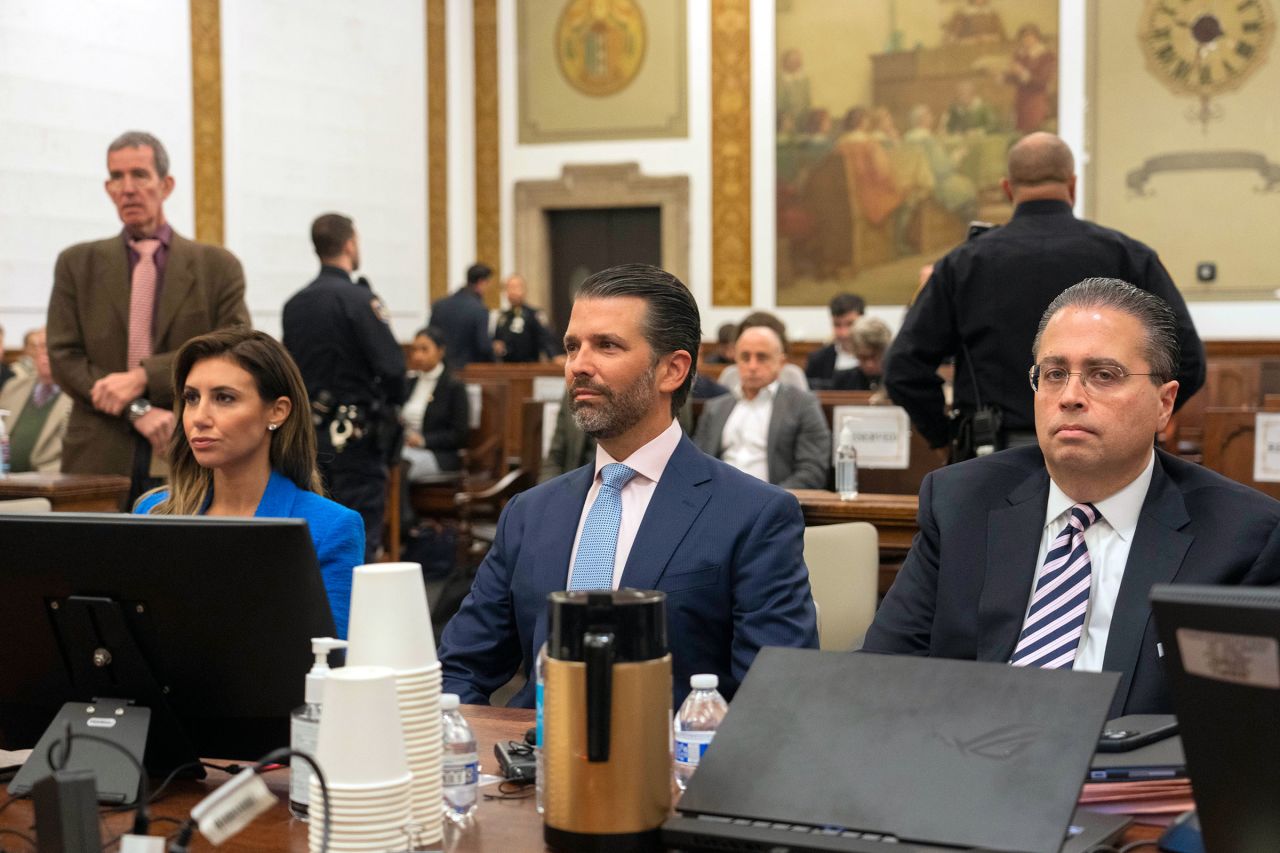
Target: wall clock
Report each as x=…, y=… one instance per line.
x=1204, y=48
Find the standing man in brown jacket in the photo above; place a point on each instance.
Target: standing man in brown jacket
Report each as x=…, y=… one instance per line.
x=120, y=308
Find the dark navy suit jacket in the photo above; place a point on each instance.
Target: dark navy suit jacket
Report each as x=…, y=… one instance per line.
x=726, y=548
x=964, y=588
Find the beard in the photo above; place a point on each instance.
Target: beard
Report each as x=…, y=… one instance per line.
x=618, y=411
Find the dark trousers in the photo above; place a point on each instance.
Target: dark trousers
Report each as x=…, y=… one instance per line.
x=357, y=479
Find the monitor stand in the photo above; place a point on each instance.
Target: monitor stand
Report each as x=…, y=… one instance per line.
x=105, y=661
x=1183, y=835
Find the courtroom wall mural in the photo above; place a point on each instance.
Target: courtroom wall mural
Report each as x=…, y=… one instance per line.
x=1184, y=138
x=602, y=70
x=893, y=121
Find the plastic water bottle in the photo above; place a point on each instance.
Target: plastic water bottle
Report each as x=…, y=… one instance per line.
x=847, y=464
x=4, y=445
x=539, y=782
x=696, y=725
x=461, y=763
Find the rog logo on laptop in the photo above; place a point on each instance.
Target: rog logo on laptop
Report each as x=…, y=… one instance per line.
x=999, y=744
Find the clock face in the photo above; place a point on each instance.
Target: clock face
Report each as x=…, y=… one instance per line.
x=1205, y=47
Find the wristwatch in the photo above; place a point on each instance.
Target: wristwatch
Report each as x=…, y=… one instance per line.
x=138, y=408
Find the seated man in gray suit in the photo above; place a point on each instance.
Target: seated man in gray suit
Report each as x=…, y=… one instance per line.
x=773, y=431
x=1045, y=556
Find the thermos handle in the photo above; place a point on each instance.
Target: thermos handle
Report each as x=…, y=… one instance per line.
x=599, y=650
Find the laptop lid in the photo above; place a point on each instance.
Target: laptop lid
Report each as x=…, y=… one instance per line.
x=1222, y=656
x=960, y=753
x=1160, y=760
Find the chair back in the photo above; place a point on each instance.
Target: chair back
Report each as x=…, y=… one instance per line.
x=844, y=564
x=26, y=505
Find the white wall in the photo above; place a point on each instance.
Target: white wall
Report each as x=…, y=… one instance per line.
x=71, y=80
x=326, y=111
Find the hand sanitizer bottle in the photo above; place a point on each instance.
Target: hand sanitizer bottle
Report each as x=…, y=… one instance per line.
x=304, y=725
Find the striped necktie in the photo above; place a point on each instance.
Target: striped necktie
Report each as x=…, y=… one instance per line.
x=142, y=300
x=598, y=545
x=1051, y=633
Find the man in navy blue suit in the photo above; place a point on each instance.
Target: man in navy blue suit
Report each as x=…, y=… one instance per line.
x=725, y=547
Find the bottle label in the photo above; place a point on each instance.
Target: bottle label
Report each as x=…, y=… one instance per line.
x=690, y=747
x=461, y=770
x=538, y=693
x=303, y=738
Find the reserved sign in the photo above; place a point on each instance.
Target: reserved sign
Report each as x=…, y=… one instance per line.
x=1266, y=448
x=882, y=435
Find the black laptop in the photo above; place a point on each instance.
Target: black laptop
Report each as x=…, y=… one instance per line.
x=1222, y=655
x=830, y=751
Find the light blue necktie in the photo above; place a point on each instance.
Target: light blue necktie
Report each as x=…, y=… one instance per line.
x=598, y=545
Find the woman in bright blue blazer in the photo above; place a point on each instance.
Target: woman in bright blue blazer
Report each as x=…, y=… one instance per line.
x=245, y=446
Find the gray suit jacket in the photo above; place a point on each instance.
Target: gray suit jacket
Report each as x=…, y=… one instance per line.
x=799, y=442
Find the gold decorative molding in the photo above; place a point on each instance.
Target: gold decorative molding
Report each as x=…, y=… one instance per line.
x=206, y=118
x=488, y=188
x=437, y=154
x=731, y=152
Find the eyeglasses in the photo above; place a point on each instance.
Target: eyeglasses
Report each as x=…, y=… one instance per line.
x=1099, y=378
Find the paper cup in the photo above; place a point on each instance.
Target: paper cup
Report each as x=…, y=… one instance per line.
x=361, y=699
x=390, y=622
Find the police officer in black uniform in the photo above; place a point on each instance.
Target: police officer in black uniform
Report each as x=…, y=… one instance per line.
x=521, y=335
x=339, y=333
x=984, y=300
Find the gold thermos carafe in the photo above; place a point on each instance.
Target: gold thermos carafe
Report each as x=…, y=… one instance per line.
x=606, y=720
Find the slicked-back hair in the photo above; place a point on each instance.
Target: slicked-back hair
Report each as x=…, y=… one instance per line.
x=843, y=303
x=329, y=233
x=477, y=273
x=671, y=320
x=139, y=139
x=1161, y=347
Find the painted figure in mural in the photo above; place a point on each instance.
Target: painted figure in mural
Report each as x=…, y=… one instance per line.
x=956, y=193
x=1033, y=71
x=975, y=21
x=793, y=87
x=969, y=112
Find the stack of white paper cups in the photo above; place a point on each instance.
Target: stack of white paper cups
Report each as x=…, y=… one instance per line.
x=361, y=751
x=391, y=626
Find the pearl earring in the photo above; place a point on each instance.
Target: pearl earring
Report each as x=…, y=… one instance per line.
x=273, y=427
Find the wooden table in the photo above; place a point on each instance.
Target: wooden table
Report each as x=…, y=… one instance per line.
x=502, y=826
x=894, y=517
x=69, y=492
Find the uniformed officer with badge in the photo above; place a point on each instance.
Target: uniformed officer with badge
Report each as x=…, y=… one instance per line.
x=338, y=331
x=521, y=335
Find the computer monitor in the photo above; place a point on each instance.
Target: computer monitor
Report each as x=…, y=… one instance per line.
x=1222, y=653
x=206, y=622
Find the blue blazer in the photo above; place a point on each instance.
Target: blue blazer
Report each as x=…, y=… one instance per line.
x=726, y=548
x=336, y=532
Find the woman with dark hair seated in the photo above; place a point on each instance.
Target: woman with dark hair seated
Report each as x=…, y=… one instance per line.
x=435, y=418
x=247, y=448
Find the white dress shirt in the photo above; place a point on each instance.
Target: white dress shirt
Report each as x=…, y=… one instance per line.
x=648, y=462
x=415, y=408
x=744, y=443
x=1108, y=540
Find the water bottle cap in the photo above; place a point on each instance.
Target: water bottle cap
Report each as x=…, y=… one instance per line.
x=449, y=701
x=704, y=681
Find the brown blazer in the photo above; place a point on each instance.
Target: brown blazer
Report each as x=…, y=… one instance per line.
x=47, y=452
x=88, y=334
